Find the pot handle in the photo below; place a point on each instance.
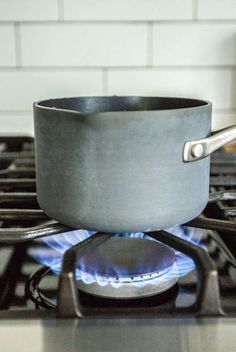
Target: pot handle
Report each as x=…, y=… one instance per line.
x=201, y=148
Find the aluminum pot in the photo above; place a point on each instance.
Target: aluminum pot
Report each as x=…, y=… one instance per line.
x=124, y=164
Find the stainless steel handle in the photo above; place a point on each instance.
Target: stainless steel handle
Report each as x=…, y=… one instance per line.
x=201, y=148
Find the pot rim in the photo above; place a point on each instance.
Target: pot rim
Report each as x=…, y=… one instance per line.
x=203, y=104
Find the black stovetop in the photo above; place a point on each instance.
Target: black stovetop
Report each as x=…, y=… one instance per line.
x=28, y=289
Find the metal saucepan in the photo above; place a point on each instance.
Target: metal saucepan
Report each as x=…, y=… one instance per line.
x=124, y=164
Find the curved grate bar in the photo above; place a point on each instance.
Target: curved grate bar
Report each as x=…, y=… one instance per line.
x=31, y=233
x=68, y=300
x=208, y=292
x=212, y=224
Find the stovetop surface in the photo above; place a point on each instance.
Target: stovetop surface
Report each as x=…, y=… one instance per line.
x=23, y=298
x=164, y=335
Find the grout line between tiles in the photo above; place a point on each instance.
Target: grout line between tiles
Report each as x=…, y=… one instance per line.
x=82, y=22
x=116, y=68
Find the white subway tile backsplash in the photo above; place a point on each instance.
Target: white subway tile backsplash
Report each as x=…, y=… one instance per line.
x=194, y=44
x=145, y=47
x=142, y=10
x=213, y=85
x=16, y=123
x=28, y=10
x=7, y=45
x=19, y=89
x=84, y=44
x=217, y=9
x=221, y=119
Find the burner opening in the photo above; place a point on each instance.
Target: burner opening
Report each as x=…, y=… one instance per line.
x=128, y=259
x=132, y=264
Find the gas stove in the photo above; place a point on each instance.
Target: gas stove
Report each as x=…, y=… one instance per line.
x=178, y=284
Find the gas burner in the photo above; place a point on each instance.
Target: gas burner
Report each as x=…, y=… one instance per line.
x=128, y=268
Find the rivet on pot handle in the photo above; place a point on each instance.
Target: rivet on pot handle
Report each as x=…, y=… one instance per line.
x=201, y=148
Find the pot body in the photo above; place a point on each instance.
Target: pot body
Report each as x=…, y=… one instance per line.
x=111, y=170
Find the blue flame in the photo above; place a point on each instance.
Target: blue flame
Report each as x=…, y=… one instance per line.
x=52, y=255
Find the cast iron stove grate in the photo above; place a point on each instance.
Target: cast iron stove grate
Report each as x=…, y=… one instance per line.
x=23, y=223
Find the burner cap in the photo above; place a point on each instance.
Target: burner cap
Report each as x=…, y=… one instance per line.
x=128, y=268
